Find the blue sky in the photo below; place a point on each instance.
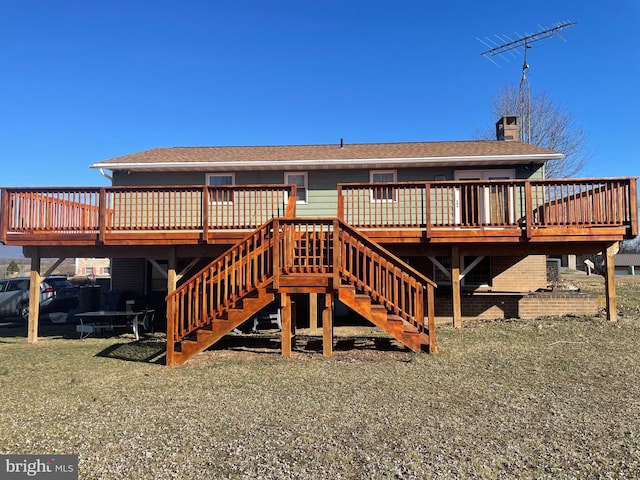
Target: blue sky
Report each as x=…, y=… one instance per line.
x=85, y=81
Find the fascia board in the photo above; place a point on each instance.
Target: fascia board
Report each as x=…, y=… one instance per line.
x=285, y=164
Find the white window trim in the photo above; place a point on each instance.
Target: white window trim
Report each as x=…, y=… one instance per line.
x=208, y=183
x=306, y=185
x=223, y=174
x=395, y=179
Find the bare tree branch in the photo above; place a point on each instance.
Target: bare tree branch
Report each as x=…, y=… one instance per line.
x=551, y=128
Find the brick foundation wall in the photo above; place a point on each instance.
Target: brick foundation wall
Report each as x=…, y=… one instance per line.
x=525, y=306
x=556, y=303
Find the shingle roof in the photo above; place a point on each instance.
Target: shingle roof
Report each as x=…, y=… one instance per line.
x=627, y=259
x=275, y=156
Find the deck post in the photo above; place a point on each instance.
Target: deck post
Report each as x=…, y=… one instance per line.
x=313, y=313
x=277, y=251
x=528, y=209
x=455, y=286
x=633, y=206
x=4, y=215
x=287, y=324
x=172, y=282
x=327, y=326
x=102, y=215
x=337, y=253
x=205, y=214
x=427, y=210
x=34, y=297
x=609, y=281
x=431, y=319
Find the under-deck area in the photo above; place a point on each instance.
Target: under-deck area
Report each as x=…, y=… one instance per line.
x=261, y=251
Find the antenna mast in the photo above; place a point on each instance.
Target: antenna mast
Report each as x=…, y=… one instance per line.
x=524, y=99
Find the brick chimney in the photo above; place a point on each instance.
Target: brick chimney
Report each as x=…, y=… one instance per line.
x=507, y=128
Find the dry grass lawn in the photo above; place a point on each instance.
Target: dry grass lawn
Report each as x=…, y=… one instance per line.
x=551, y=398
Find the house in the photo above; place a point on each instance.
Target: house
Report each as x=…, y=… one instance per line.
x=224, y=232
x=627, y=263
x=93, y=267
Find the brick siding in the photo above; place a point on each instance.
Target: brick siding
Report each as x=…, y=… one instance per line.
x=525, y=306
x=556, y=303
x=519, y=274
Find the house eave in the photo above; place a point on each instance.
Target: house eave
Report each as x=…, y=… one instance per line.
x=450, y=161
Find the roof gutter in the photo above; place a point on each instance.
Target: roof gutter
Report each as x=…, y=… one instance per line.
x=279, y=164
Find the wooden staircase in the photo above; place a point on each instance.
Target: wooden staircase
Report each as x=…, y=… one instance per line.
x=378, y=314
x=204, y=337
x=288, y=256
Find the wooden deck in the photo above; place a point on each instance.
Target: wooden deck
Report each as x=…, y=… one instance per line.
x=519, y=212
x=263, y=253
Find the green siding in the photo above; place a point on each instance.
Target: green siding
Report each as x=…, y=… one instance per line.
x=322, y=184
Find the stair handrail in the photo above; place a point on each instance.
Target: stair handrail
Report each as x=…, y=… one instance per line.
x=257, y=260
x=215, y=288
x=405, y=300
x=345, y=226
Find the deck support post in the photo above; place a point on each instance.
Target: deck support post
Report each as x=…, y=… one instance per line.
x=609, y=281
x=455, y=286
x=34, y=298
x=288, y=324
x=172, y=282
x=313, y=313
x=327, y=326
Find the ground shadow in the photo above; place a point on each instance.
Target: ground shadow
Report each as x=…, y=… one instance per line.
x=153, y=349
x=255, y=342
x=269, y=343
x=146, y=350
x=17, y=327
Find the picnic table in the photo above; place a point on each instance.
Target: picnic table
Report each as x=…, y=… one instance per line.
x=100, y=320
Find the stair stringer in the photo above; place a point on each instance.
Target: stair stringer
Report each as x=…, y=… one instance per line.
x=377, y=314
x=217, y=328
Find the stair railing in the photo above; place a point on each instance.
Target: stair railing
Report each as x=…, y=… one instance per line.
x=300, y=246
x=216, y=288
x=385, y=278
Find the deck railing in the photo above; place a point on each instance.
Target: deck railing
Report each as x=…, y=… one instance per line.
x=96, y=210
x=519, y=206
x=504, y=204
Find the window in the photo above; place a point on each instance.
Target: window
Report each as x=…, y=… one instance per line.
x=16, y=285
x=480, y=274
x=439, y=276
x=299, y=179
x=219, y=179
x=384, y=193
x=88, y=271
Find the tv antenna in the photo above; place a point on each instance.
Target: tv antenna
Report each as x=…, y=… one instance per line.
x=507, y=45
